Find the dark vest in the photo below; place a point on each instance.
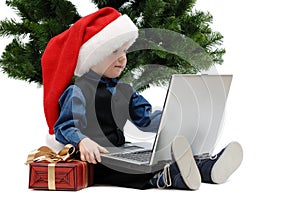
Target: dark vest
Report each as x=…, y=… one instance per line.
x=106, y=114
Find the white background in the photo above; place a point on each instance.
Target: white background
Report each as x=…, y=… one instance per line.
x=262, y=43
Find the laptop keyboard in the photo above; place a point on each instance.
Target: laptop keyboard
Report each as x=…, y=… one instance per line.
x=141, y=156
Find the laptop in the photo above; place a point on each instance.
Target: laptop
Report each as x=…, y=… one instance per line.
x=194, y=107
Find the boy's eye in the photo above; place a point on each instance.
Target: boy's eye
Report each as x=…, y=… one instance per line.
x=117, y=50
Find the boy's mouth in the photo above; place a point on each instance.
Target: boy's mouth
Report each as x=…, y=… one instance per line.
x=119, y=67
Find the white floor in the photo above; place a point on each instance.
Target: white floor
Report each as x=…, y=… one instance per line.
x=261, y=39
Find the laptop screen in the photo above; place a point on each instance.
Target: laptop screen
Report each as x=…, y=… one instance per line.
x=193, y=107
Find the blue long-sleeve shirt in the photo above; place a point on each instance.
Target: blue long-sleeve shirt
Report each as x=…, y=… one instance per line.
x=72, y=112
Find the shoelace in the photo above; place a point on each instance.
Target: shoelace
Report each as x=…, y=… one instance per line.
x=166, y=177
x=206, y=156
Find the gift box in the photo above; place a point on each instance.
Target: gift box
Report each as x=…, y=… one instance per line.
x=58, y=171
x=73, y=176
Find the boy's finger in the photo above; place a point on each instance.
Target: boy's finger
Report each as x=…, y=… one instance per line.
x=103, y=150
x=97, y=156
x=92, y=158
x=82, y=157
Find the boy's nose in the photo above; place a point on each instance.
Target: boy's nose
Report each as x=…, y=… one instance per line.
x=122, y=57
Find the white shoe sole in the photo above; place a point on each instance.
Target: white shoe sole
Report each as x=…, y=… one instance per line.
x=228, y=162
x=183, y=156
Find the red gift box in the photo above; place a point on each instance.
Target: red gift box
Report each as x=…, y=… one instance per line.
x=74, y=175
x=58, y=171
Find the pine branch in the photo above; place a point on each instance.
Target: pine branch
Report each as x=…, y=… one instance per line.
x=117, y=4
x=10, y=27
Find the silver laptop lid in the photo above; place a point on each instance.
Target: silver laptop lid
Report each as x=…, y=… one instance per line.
x=194, y=107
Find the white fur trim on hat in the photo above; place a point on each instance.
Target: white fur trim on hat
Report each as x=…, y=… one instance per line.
x=102, y=44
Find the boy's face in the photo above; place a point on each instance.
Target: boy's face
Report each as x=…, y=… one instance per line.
x=113, y=65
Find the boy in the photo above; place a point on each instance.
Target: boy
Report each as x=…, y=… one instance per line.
x=92, y=112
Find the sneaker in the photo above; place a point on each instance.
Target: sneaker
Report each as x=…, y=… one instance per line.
x=219, y=168
x=187, y=166
x=183, y=173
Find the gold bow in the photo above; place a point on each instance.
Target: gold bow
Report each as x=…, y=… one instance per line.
x=44, y=153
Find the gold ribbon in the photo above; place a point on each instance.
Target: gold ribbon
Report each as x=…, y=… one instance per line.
x=44, y=153
x=51, y=176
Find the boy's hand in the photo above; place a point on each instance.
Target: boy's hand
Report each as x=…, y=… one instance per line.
x=90, y=150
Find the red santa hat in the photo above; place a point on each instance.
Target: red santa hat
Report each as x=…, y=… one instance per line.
x=76, y=50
